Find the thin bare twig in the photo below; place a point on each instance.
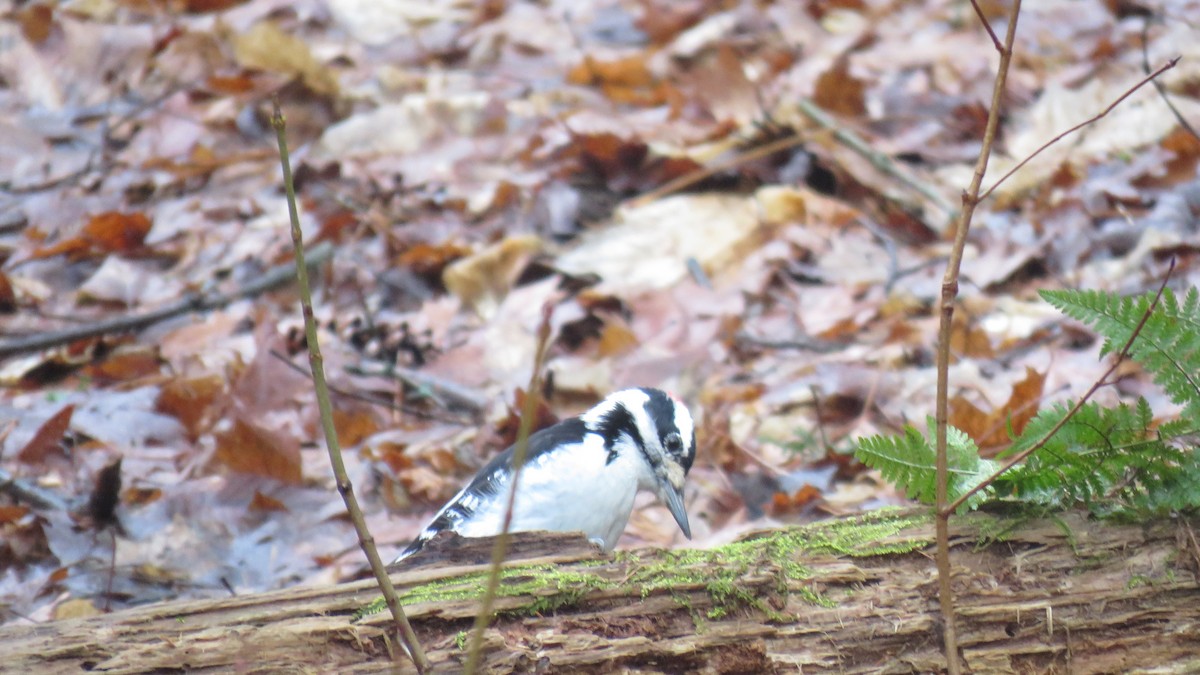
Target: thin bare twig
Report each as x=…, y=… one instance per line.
x=373, y=399
x=693, y=177
x=988, y=27
x=193, y=302
x=447, y=393
x=1129, y=92
x=407, y=637
x=520, y=449
x=1121, y=356
x=1162, y=91
x=970, y=201
x=27, y=491
x=877, y=159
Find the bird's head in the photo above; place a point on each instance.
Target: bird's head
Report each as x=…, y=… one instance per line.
x=661, y=427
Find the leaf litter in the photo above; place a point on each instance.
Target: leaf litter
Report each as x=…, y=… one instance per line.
x=651, y=171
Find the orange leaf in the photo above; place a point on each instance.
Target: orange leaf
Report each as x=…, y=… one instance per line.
x=118, y=232
x=782, y=502
x=1022, y=405
x=990, y=430
x=353, y=424
x=969, y=418
x=616, y=338
x=136, y=496
x=11, y=514
x=249, y=448
x=125, y=365
x=629, y=71
x=230, y=85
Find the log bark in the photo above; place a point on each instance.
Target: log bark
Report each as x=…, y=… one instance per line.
x=1066, y=594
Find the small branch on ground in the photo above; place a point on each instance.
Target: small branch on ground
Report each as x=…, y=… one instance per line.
x=31, y=493
x=378, y=399
x=448, y=394
x=689, y=179
x=407, y=637
x=877, y=159
x=844, y=136
x=193, y=302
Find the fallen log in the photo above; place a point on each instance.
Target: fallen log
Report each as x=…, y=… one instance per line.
x=1065, y=594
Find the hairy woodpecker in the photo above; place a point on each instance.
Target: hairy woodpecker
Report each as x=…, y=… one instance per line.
x=582, y=474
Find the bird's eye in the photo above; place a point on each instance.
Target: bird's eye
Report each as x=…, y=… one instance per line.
x=673, y=443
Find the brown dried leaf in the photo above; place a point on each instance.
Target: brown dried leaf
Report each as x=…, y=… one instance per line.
x=209, y=6
x=8, y=298
x=428, y=261
x=191, y=401
x=990, y=430
x=267, y=47
x=229, y=85
x=1186, y=148
x=109, y=232
x=968, y=340
x=616, y=338
x=116, y=232
x=354, y=423
x=425, y=485
x=11, y=514
x=37, y=21
x=246, y=447
x=262, y=502
x=783, y=503
x=721, y=85
x=125, y=365
x=482, y=280
x=839, y=92
x=48, y=438
x=140, y=496
x=623, y=79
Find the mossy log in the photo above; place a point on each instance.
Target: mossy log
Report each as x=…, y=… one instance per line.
x=850, y=595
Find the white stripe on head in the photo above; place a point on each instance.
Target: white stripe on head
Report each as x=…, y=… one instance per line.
x=683, y=422
x=632, y=399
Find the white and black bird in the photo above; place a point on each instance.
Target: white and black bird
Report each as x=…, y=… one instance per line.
x=581, y=475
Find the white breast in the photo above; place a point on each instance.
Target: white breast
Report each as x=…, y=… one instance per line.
x=569, y=490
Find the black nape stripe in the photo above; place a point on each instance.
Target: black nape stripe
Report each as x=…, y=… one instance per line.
x=613, y=424
x=661, y=409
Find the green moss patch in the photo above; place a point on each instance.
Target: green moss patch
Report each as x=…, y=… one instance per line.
x=720, y=571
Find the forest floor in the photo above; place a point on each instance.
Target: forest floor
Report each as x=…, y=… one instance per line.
x=746, y=203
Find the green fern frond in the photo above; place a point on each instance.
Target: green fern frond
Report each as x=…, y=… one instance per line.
x=1106, y=459
x=1168, y=346
x=909, y=462
x=1113, y=461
